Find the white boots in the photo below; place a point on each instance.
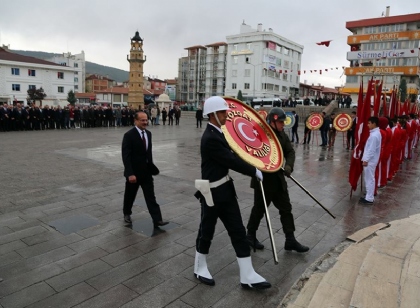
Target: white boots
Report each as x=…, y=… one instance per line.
x=201, y=272
x=249, y=278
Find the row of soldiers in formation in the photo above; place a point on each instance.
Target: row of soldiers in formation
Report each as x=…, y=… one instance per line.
x=18, y=117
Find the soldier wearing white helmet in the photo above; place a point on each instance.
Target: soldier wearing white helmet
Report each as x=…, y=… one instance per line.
x=217, y=196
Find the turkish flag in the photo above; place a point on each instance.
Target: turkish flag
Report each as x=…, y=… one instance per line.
x=325, y=43
x=299, y=73
x=362, y=134
x=280, y=71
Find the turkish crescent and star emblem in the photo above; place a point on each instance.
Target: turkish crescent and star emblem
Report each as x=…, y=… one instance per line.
x=251, y=138
x=314, y=121
x=342, y=122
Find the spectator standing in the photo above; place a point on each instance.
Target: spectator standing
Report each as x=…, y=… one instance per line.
x=199, y=116
x=295, y=127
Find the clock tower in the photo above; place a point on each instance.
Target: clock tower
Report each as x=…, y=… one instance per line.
x=135, y=80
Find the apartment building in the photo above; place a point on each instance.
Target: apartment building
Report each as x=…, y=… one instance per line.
x=386, y=48
x=20, y=73
x=262, y=63
x=77, y=61
x=95, y=83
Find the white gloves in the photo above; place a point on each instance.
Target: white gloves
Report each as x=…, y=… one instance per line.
x=259, y=175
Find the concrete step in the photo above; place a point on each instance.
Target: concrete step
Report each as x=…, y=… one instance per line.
x=336, y=287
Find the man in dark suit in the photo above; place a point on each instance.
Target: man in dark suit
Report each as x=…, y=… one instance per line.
x=218, y=198
x=139, y=168
x=275, y=190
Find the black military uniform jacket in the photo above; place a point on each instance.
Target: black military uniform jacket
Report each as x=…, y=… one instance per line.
x=216, y=160
x=272, y=181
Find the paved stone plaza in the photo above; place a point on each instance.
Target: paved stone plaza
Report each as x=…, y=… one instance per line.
x=63, y=242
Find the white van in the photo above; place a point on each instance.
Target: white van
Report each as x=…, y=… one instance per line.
x=257, y=103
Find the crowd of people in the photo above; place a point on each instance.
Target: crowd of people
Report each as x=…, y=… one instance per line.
x=33, y=117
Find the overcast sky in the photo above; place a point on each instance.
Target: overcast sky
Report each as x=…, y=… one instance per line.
x=103, y=28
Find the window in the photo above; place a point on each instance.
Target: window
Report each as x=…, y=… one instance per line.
x=15, y=71
x=235, y=47
x=297, y=79
x=235, y=60
x=233, y=86
x=60, y=89
x=76, y=79
x=247, y=72
x=352, y=79
x=285, y=51
x=31, y=87
x=15, y=87
x=278, y=48
x=76, y=87
x=76, y=73
x=234, y=73
x=246, y=86
x=60, y=75
x=285, y=77
x=31, y=73
x=249, y=46
x=284, y=89
x=76, y=64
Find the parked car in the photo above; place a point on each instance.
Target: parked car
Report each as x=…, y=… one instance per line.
x=300, y=102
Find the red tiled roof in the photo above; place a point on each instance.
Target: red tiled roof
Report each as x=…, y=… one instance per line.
x=86, y=95
x=96, y=76
x=399, y=19
x=115, y=90
x=195, y=47
x=171, y=81
x=10, y=56
x=217, y=44
x=153, y=91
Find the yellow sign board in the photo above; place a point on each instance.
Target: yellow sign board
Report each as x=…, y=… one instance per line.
x=386, y=36
x=382, y=70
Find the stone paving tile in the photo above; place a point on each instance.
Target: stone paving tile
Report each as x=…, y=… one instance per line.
x=121, y=256
x=29, y=264
x=78, y=274
x=7, y=259
x=19, y=282
x=163, y=294
x=68, y=298
x=114, y=297
x=19, y=235
x=12, y=246
x=81, y=258
x=47, y=246
x=178, y=304
x=123, y=242
x=27, y=296
x=121, y=273
x=92, y=241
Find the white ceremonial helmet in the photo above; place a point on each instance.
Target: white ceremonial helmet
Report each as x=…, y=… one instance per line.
x=213, y=104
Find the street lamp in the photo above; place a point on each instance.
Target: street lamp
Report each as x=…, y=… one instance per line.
x=253, y=85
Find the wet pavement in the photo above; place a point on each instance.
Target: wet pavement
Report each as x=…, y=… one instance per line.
x=63, y=242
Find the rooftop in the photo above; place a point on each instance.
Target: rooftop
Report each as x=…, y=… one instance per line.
x=399, y=19
x=10, y=56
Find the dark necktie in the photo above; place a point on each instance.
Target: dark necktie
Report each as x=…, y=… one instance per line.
x=144, y=139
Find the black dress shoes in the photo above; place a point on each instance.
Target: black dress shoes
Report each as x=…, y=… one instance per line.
x=207, y=281
x=127, y=219
x=259, y=286
x=254, y=242
x=364, y=201
x=160, y=223
x=293, y=244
